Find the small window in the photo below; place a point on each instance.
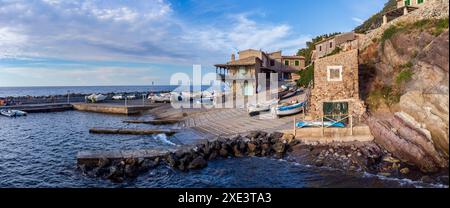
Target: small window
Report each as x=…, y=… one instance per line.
x=297, y=63
x=407, y=2
x=320, y=48
x=272, y=62
x=331, y=44
x=334, y=73
x=420, y=1
x=286, y=62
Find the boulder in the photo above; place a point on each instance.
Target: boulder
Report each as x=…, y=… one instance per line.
x=198, y=163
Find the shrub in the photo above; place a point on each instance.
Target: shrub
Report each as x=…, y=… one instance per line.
x=386, y=95
x=390, y=32
x=404, y=76
x=440, y=26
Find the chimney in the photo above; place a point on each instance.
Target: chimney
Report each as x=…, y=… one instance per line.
x=233, y=58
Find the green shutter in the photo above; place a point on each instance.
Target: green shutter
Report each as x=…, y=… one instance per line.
x=297, y=63
x=286, y=63
x=419, y=1
x=407, y=2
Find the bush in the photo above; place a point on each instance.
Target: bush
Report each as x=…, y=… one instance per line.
x=386, y=95
x=390, y=32
x=404, y=76
x=440, y=26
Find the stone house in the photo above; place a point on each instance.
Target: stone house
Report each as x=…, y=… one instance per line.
x=242, y=73
x=345, y=41
x=404, y=7
x=336, y=86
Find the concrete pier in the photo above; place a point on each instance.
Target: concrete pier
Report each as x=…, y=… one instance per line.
x=113, y=108
x=92, y=158
x=131, y=131
x=41, y=108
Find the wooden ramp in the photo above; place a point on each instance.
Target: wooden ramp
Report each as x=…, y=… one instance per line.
x=154, y=122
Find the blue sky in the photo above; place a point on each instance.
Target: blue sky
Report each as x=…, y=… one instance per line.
x=136, y=42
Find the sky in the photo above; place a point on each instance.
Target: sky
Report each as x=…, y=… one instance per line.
x=137, y=42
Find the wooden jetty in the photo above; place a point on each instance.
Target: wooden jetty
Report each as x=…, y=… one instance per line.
x=154, y=122
x=127, y=131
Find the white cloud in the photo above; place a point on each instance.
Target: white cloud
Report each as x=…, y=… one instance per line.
x=142, y=30
x=11, y=42
x=357, y=20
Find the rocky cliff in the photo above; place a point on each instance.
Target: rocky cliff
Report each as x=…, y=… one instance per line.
x=404, y=77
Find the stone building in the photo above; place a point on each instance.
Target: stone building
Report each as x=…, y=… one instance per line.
x=336, y=87
x=345, y=41
x=242, y=73
x=404, y=7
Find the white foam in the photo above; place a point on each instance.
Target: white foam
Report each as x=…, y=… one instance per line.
x=163, y=138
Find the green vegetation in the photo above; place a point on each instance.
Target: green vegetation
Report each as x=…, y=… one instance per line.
x=404, y=76
x=306, y=76
x=441, y=26
x=310, y=46
x=386, y=95
x=435, y=26
x=390, y=32
x=377, y=19
x=335, y=51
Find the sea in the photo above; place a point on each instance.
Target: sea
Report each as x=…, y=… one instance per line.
x=40, y=150
x=64, y=90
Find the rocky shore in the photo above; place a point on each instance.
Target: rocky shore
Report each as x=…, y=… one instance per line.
x=357, y=156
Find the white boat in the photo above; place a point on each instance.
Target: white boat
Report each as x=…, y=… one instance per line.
x=285, y=110
x=13, y=113
x=95, y=98
x=253, y=109
x=131, y=97
x=117, y=97
x=289, y=94
x=205, y=100
x=160, y=98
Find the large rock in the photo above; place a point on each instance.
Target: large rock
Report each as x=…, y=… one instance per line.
x=407, y=142
x=198, y=163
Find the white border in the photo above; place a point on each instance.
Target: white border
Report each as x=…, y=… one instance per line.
x=340, y=73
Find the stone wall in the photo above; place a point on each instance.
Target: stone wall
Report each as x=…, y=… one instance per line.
x=346, y=90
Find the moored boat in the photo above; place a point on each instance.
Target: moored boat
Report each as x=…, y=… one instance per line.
x=13, y=113
x=305, y=124
x=254, y=109
x=285, y=110
x=95, y=98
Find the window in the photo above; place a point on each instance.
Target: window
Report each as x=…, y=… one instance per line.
x=242, y=71
x=420, y=1
x=272, y=62
x=334, y=73
x=320, y=48
x=297, y=63
x=407, y=2
x=286, y=62
x=331, y=44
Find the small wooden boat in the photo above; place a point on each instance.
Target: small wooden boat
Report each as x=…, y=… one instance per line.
x=305, y=124
x=289, y=94
x=13, y=113
x=255, y=109
x=285, y=110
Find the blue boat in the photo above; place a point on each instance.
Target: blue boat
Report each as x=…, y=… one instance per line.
x=289, y=109
x=306, y=124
